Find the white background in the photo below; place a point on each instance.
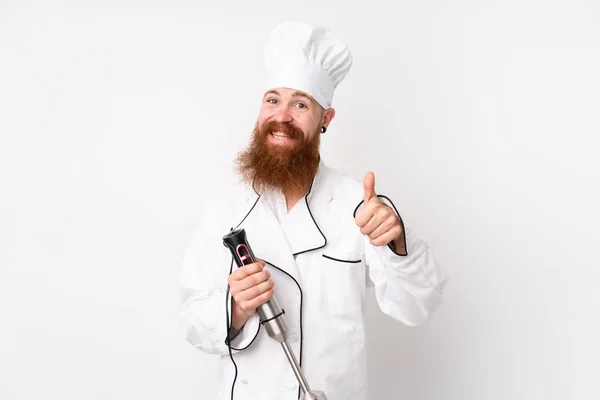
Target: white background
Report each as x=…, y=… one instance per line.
x=119, y=118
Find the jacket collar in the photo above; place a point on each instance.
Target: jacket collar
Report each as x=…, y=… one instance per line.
x=302, y=230
x=298, y=233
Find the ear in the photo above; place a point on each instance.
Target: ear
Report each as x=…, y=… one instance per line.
x=328, y=116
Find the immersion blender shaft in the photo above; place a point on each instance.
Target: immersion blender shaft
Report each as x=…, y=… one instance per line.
x=295, y=366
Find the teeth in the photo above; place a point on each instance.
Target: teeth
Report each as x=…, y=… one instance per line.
x=280, y=135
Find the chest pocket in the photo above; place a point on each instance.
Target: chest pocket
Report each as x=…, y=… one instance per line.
x=344, y=276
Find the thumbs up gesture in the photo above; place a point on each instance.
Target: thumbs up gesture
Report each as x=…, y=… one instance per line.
x=377, y=220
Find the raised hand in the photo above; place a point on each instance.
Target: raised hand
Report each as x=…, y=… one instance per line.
x=375, y=219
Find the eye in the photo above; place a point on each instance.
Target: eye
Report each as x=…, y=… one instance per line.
x=272, y=101
x=301, y=105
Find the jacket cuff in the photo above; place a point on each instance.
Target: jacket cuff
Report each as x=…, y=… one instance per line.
x=233, y=333
x=392, y=245
x=391, y=259
x=242, y=339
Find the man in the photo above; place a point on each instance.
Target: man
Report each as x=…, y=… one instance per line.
x=322, y=238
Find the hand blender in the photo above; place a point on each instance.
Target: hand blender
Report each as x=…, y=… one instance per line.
x=271, y=315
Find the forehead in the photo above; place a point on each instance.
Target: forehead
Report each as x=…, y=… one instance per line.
x=289, y=93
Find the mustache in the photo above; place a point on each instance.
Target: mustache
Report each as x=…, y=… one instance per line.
x=286, y=128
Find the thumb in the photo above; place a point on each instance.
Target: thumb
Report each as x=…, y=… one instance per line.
x=369, y=186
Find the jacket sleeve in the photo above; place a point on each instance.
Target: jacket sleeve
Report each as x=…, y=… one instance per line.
x=408, y=287
x=205, y=301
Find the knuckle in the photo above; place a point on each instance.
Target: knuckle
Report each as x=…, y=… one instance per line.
x=256, y=303
x=264, y=276
x=263, y=287
x=254, y=292
x=254, y=279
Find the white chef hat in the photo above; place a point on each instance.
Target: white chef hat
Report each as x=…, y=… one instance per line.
x=306, y=58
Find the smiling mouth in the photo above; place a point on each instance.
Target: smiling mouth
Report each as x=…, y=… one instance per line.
x=280, y=136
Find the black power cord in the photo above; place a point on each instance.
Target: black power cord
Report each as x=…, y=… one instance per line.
x=227, y=331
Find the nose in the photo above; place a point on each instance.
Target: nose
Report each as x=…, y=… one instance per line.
x=283, y=115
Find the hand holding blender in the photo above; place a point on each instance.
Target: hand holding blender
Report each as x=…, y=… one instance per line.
x=271, y=315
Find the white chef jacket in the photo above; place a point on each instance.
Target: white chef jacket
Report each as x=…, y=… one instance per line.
x=321, y=265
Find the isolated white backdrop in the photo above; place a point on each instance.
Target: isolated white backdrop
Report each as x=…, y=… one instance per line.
x=118, y=119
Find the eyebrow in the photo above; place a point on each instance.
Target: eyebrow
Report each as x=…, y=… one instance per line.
x=294, y=94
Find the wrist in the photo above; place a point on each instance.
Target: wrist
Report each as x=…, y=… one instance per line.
x=398, y=245
x=238, y=317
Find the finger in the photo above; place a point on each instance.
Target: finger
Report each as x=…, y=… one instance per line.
x=385, y=238
x=369, y=186
x=364, y=215
x=250, y=281
x=254, y=291
x=371, y=225
x=379, y=213
x=383, y=227
x=258, y=301
x=247, y=270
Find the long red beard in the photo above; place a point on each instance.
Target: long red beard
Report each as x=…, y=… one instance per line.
x=289, y=168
